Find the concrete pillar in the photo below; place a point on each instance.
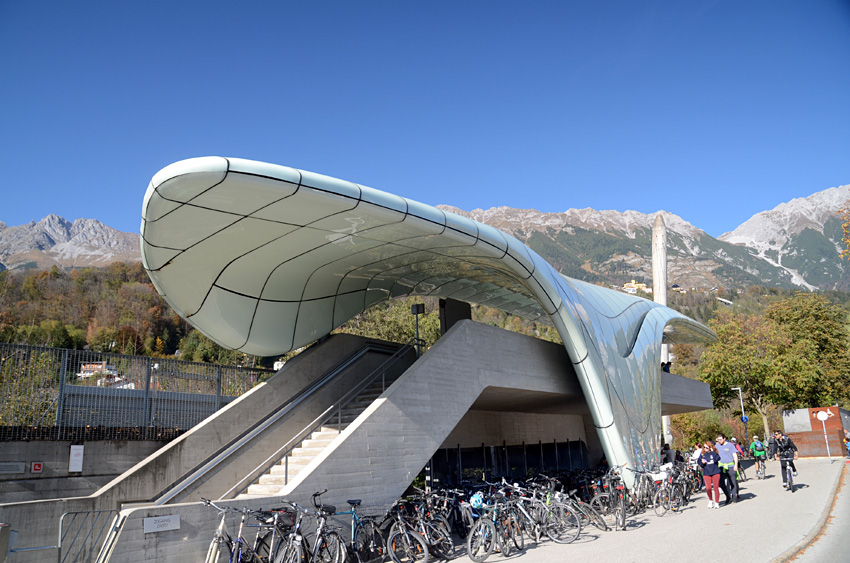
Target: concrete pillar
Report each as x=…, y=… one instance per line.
x=659, y=292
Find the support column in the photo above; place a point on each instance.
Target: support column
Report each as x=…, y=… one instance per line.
x=659, y=293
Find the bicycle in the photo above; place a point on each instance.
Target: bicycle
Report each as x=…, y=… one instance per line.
x=496, y=529
x=760, y=467
x=367, y=542
x=328, y=546
x=789, y=473
x=235, y=550
x=405, y=544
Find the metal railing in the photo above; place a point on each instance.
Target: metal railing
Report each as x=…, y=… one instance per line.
x=285, y=409
x=60, y=394
x=81, y=535
x=328, y=415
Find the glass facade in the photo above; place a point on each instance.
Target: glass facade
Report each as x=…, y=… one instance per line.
x=265, y=259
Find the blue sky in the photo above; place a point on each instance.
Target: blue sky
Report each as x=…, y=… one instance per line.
x=713, y=111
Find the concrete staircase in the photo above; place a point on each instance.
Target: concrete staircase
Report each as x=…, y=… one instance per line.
x=271, y=483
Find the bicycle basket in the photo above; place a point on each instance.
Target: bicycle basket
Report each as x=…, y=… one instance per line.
x=285, y=517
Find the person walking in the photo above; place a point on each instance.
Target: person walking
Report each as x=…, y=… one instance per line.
x=709, y=462
x=729, y=468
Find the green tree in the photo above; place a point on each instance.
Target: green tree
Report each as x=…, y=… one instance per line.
x=755, y=354
x=818, y=331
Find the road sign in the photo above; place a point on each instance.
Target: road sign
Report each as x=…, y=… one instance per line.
x=745, y=419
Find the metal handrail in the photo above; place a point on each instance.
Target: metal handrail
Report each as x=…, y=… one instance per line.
x=327, y=415
x=263, y=425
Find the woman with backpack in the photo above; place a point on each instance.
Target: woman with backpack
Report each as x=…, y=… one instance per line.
x=759, y=451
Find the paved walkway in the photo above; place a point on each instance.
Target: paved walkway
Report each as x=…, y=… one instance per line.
x=768, y=516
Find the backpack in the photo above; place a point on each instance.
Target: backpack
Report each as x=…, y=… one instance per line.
x=759, y=447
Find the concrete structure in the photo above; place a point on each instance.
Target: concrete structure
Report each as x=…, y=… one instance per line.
x=659, y=293
x=807, y=431
x=103, y=461
x=444, y=396
x=457, y=386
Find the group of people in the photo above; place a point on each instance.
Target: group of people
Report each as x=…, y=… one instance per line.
x=719, y=461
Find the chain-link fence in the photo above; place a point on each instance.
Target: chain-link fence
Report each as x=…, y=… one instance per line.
x=57, y=394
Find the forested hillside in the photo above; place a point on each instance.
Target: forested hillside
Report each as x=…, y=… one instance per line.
x=116, y=309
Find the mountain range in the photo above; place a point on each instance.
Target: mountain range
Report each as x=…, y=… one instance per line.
x=796, y=244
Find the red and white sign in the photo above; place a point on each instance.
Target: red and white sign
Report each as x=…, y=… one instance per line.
x=37, y=467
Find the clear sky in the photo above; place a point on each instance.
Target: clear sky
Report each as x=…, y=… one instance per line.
x=713, y=111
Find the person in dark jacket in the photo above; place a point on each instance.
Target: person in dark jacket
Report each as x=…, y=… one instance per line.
x=709, y=461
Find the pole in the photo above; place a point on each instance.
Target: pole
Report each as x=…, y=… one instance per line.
x=743, y=415
x=417, y=309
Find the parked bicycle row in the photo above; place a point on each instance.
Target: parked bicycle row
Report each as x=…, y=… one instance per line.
x=485, y=519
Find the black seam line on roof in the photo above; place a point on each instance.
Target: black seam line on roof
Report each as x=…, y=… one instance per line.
x=218, y=276
x=156, y=189
x=220, y=231
x=435, y=257
x=190, y=203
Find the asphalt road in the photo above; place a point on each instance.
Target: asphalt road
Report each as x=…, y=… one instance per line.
x=833, y=543
x=769, y=525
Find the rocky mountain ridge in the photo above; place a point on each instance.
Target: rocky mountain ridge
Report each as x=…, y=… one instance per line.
x=796, y=244
x=55, y=241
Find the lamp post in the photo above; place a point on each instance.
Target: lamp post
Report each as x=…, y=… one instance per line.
x=744, y=418
x=417, y=309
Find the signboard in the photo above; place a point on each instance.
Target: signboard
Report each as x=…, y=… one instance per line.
x=12, y=466
x=162, y=523
x=37, y=467
x=76, y=462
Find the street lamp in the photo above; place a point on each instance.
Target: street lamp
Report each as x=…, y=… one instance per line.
x=417, y=309
x=744, y=418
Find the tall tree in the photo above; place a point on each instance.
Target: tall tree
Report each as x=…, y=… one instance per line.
x=755, y=354
x=817, y=329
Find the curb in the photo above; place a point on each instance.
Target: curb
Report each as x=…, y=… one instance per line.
x=792, y=551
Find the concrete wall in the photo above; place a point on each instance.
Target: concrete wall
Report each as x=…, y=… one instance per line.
x=494, y=428
x=807, y=432
x=37, y=522
x=378, y=456
x=103, y=460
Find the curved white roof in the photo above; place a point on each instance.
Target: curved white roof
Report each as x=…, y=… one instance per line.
x=264, y=259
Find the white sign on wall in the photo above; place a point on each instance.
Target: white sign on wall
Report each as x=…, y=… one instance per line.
x=162, y=523
x=76, y=462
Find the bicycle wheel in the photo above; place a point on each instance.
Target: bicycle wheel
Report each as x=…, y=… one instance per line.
x=594, y=517
x=561, y=525
x=439, y=539
x=219, y=550
x=790, y=475
x=602, y=504
x=407, y=547
x=369, y=544
x=677, y=498
x=620, y=513
x=661, y=501
x=515, y=533
x=481, y=540
x=289, y=553
x=331, y=549
x=528, y=525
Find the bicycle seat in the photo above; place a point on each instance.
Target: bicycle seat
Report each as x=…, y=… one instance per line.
x=355, y=502
x=329, y=509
